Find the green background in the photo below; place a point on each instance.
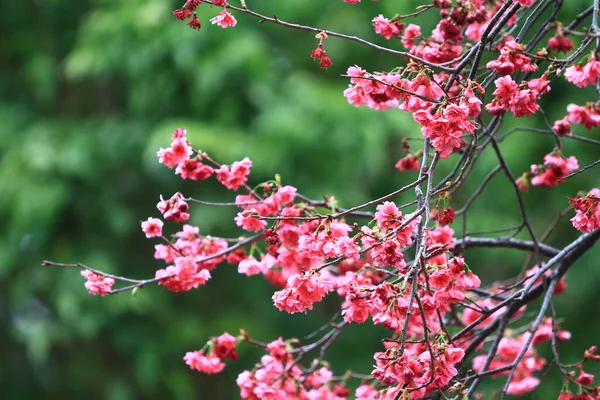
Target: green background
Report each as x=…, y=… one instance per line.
x=91, y=89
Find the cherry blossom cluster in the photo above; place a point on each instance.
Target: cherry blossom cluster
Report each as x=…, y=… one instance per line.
x=224, y=19
x=210, y=359
x=279, y=377
x=97, y=284
x=419, y=369
x=587, y=211
x=553, y=170
x=521, y=100
x=445, y=117
x=401, y=266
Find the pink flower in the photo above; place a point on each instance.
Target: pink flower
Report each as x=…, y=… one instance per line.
x=285, y=195
x=587, y=116
x=508, y=349
x=195, y=23
x=182, y=276
x=512, y=59
x=526, y=3
x=182, y=14
x=520, y=100
x=587, y=217
x=250, y=266
x=248, y=221
x=235, y=176
x=365, y=392
x=555, y=167
x=360, y=304
x=576, y=75
x=582, y=76
x=208, y=365
x=301, y=292
x=224, y=19
x=560, y=44
x=225, y=347
x=411, y=33
x=522, y=183
x=179, y=151
x=194, y=169
x=387, y=28
x=192, y=4
x=97, y=284
x=562, y=127
x=386, y=213
x=521, y=386
x=152, y=227
x=175, y=209
x=408, y=163
x=585, y=378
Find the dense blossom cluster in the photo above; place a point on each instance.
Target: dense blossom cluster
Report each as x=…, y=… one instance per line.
x=97, y=284
x=220, y=348
x=419, y=370
x=553, y=170
x=443, y=122
x=400, y=267
x=521, y=99
x=587, y=208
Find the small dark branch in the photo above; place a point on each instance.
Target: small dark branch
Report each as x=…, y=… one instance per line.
x=507, y=242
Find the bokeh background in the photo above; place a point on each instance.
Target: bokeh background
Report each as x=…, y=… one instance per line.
x=91, y=89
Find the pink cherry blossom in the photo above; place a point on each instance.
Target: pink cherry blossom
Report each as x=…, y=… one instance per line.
x=97, y=284
x=175, y=209
x=178, y=152
x=182, y=276
x=301, y=292
x=194, y=169
x=387, y=28
x=225, y=347
x=201, y=363
x=152, y=227
x=555, y=167
x=224, y=19
x=248, y=221
x=234, y=176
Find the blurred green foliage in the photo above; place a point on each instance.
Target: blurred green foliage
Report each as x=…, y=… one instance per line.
x=91, y=89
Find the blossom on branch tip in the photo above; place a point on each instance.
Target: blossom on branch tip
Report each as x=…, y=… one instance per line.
x=192, y=4
x=224, y=19
x=582, y=76
x=195, y=23
x=587, y=208
x=152, y=227
x=247, y=220
x=588, y=116
x=234, y=176
x=525, y=3
x=178, y=152
x=194, y=169
x=201, y=363
x=521, y=100
x=301, y=292
x=183, y=276
x=386, y=28
x=555, y=168
x=97, y=284
x=225, y=347
x=175, y=209
x=560, y=44
x=408, y=163
x=182, y=14
x=562, y=127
